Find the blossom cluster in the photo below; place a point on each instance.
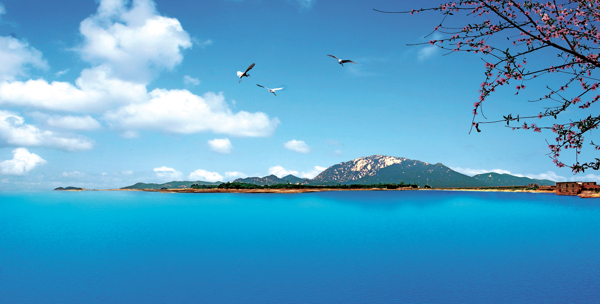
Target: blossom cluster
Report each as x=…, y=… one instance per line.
x=569, y=28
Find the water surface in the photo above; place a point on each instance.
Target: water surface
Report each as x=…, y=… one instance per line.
x=328, y=247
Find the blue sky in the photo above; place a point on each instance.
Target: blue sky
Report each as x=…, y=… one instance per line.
x=103, y=94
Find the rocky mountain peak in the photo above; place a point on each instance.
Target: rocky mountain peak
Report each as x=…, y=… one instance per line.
x=358, y=168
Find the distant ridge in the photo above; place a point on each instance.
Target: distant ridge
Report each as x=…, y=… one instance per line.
x=497, y=179
x=272, y=180
x=378, y=169
x=388, y=169
x=171, y=185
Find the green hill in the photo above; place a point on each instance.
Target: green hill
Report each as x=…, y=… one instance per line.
x=170, y=185
x=497, y=179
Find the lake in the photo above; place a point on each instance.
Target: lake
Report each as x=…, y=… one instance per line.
x=327, y=247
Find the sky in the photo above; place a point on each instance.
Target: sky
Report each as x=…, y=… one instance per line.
x=104, y=94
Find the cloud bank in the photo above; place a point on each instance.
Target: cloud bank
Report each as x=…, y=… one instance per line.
x=297, y=146
x=23, y=161
x=127, y=47
x=203, y=175
x=220, y=145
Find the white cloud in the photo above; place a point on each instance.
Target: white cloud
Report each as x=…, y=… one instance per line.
x=337, y=153
x=128, y=172
x=313, y=173
x=79, y=123
x=220, y=145
x=297, y=146
x=334, y=143
x=280, y=172
x=73, y=174
x=203, y=175
x=95, y=90
x=179, y=111
x=127, y=46
x=167, y=173
x=130, y=134
x=548, y=175
x=15, y=131
x=429, y=51
x=60, y=73
x=203, y=44
x=471, y=172
x=234, y=174
x=136, y=43
x=190, y=81
x=16, y=56
x=2, y=10
x=306, y=3
x=23, y=161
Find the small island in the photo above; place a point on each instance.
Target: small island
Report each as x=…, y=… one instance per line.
x=70, y=188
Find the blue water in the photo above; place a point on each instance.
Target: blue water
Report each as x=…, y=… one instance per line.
x=330, y=247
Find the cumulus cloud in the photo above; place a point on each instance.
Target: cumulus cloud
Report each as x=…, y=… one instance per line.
x=78, y=123
x=471, y=172
x=220, y=145
x=23, y=161
x=313, y=173
x=306, y=3
x=180, y=111
x=16, y=57
x=297, y=146
x=60, y=73
x=167, y=173
x=280, y=172
x=203, y=43
x=126, y=46
x=429, y=51
x=95, y=90
x=548, y=175
x=15, y=131
x=203, y=175
x=135, y=43
x=130, y=134
x=73, y=174
x=128, y=172
x=234, y=174
x=190, y=81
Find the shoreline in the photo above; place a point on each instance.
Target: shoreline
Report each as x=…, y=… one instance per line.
x=188, y=190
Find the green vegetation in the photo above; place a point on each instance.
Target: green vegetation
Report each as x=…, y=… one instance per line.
x=171, y=185
x=203, y=186
x=237, y=185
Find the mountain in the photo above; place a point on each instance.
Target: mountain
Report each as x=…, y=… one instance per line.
x=170, y=185
x=388, y=169
x=497, y=179
x=267, y=180
x=378, y=169
x=420, y=173
x=295, y=180
x=356, y=169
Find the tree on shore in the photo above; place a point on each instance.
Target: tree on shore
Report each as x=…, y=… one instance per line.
x=552, y=41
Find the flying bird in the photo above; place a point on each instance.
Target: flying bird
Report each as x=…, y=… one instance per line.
x=342, y=61
x=245, y=74
x=270, y=90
